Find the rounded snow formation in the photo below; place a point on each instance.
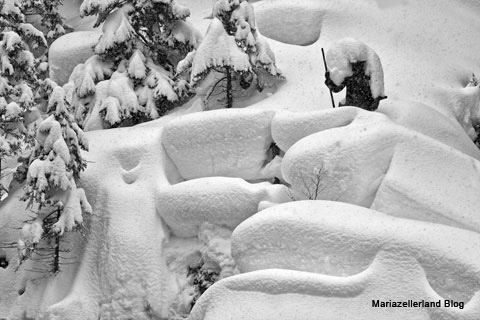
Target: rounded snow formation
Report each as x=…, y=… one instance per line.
x=374, y=163
x=227, y=142
x=340, y=239
x=331, y=260
x=225, y=202
x=282, y=21
x=421, y=118
x=289, y=127
x=274, y=294
x=68, y=51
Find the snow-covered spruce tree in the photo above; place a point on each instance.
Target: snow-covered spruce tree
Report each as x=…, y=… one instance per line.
x=51, y=22
x=51, y=191
x=45, y=16
x=233, y=57
x=11, y=136
x=132, y=77
x=18, y=78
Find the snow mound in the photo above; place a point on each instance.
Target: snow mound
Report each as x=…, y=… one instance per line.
x=424, y=119
x=230, y=143
x=341, y=239
x=362, y=257
x=289, y=295
x=289, y=127
x=284, y=21
x=410, y=170
x=68, y=51
x=218, y=200
x=128, y=168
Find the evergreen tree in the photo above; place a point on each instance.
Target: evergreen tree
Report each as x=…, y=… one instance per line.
x=132, y=76
x=233, y=56
x=45, y=16
x=18, y=79
x=51, y=191
x=51, y=22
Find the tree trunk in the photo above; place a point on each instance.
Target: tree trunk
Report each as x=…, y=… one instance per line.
x=228, y=71
x=56, y=257
x=1, y=185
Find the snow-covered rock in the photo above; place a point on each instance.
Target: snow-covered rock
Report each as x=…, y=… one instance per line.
x=68, y=51
x=289, y=127
x=340, y=239
x=373, y=253
x=374, y=162
x=425, y=119
x=290, y=295
x=218, y=200
x=283, y=21
x=230, y=143
x=330, y=260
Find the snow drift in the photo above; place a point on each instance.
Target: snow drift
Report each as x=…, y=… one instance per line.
x=288, y=252
x=68, y=51
x=230, y=143
x=404, y=180
x=133, y=267
x=218, y=200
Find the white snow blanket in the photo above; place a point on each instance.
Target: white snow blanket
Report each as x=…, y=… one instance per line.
x=217, y=200
x=375, y=163
x=290, y=127
x=289, y=295
x=281, y=21
x=290, y=244
x=129, y=172
x=68, y=51
x=340, y=239
x=428, y=121
x=123, y=229
x=230, y=143
x=131, y=267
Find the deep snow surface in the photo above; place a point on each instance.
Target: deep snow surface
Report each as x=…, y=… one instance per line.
x=168, y=194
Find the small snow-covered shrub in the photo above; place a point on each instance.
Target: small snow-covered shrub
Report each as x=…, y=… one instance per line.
x=233, y=59
x=131, y=78
x=201, y=278
x=311, y=186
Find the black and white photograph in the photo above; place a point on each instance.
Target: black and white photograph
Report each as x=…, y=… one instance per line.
x=239, y=159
